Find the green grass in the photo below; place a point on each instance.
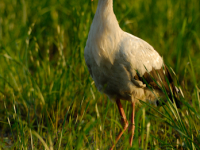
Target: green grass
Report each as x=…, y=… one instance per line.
x=49, y=101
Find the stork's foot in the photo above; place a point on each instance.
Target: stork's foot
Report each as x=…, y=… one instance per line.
x=122, y=114
x=120, y=134
x=121, y=110
x=132, y=124
x=132, y=130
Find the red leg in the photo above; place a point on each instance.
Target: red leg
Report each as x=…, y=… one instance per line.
x=132, y=124
x=121, y=110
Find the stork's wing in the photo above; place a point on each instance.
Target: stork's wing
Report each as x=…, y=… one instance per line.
x=160, y=79
x=139, y=54
x=156, y=79
x=149, y=66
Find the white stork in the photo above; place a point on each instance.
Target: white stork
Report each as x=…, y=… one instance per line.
x=121, y=64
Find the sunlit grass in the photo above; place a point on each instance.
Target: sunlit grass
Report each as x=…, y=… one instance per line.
x=49, y=101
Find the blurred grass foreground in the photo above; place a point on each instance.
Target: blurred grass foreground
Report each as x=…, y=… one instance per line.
x=49, y=101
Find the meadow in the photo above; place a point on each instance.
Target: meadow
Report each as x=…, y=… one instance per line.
x=47, y=97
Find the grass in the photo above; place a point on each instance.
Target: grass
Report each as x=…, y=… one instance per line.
x=49, y=101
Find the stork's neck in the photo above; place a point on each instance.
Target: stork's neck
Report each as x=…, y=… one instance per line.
x=105, y=7
x=105, y=17
x=105, y=33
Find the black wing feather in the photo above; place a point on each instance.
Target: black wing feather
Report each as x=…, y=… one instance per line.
x=158, y=79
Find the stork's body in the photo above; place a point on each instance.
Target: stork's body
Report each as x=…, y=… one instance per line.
x=119, y=62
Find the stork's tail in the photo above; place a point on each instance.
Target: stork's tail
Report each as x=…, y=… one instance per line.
x=175, y=93
x=178, y=94
x=175, y=96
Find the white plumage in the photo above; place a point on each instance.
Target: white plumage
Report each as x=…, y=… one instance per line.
x=117, y=60
x=113, y=56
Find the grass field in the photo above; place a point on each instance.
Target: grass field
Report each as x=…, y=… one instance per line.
x=49, y=101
